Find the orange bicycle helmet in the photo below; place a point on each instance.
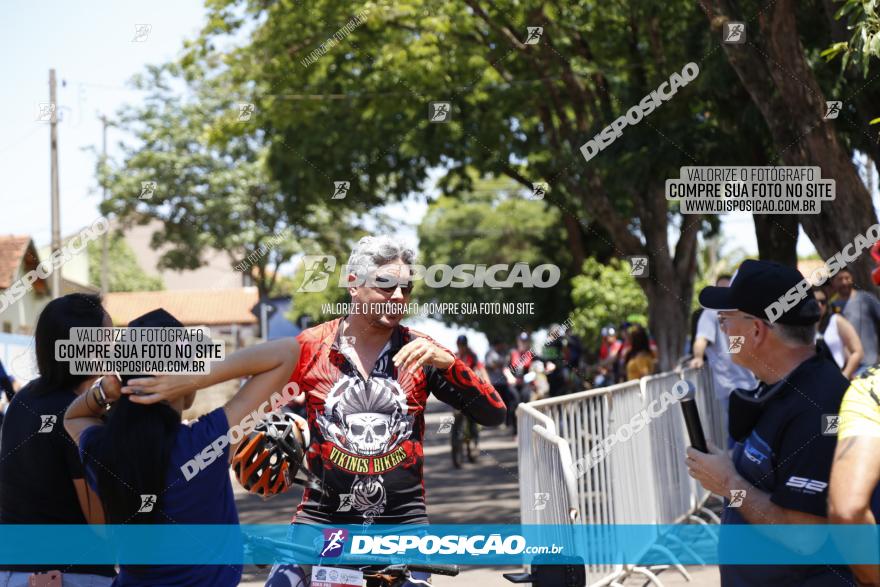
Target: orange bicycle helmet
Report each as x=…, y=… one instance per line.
x=267, y=461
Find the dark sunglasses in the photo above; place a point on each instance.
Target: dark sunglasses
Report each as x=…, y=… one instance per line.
x=389, y=286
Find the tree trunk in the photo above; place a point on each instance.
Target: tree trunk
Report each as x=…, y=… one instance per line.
x=777, y=237
x=784, y=88
x=668, y=311
x=575, y=242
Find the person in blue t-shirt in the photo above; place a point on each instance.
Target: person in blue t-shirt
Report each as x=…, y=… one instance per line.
x=142, y=449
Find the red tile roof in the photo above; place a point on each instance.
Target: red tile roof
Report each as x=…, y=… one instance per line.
x=13, y=249
x=192, y=307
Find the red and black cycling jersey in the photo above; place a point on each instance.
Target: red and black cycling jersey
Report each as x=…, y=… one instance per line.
x=366, y=434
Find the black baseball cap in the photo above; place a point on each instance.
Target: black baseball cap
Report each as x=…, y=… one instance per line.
x=759, y=285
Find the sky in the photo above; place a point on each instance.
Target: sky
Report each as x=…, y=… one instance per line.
x=91, y=46
x=95, y=51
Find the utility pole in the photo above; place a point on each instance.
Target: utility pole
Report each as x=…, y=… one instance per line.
x=105, y=243
x=265, y=311
x=56, y=211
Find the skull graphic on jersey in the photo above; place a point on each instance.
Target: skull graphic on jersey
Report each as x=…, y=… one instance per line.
x=366, y=418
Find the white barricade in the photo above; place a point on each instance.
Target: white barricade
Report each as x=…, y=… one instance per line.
x=627, y=460
x=548, y=491
x=17, y=354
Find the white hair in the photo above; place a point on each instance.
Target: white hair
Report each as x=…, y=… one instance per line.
x=796, y=334
x=374, y=251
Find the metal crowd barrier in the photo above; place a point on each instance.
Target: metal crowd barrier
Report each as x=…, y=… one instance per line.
x=641, y=479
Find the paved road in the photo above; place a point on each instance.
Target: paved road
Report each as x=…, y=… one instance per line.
x=487, y=492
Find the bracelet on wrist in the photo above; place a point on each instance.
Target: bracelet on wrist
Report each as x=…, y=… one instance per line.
x=99, y=396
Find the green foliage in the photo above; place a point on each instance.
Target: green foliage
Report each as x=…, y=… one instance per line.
x=864, y=21
x=124, y=273
x=496, y=223
x=310, y=304
x=605, y=294
x=213, y=188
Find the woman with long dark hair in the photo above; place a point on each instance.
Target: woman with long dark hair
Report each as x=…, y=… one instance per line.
x=640, y=360
x=41, y=475
x=836, y=336
x=144, y=449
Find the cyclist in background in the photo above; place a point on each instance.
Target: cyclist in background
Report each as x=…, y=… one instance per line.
x=608, y=354
x=498, y=368
x=520, y=364
x=469, y=357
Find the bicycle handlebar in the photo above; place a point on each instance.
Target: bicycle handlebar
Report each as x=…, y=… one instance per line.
x=434, y=569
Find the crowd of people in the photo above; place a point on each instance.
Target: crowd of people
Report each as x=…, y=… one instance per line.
x=845, y=333
x=623, y=359
x=85, y=449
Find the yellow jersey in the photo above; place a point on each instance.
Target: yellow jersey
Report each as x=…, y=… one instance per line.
x=860, y=409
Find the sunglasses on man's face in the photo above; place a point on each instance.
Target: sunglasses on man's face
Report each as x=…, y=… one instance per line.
x=390, y=285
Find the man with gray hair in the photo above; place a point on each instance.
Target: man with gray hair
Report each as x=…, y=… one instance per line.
x=367, y=379
x=781, y=462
